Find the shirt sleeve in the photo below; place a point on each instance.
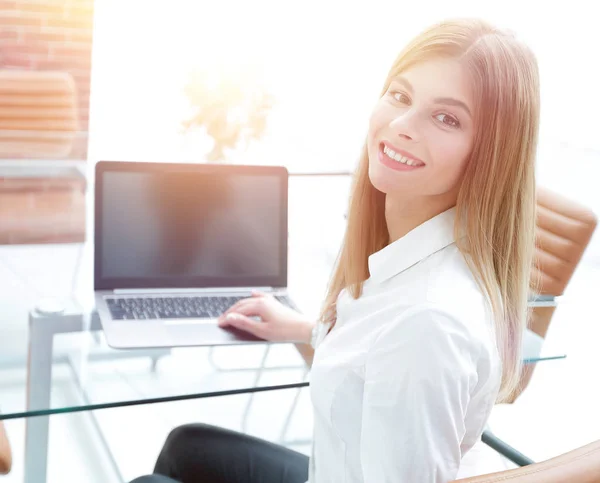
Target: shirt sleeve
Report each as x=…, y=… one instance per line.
x=418, y=379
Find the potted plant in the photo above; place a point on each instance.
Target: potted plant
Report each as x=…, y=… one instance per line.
x=230, y=106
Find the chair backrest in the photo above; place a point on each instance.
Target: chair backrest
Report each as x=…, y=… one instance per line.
x=5, y=452
x=564, y=229
x=38, y=114
x=578, y=466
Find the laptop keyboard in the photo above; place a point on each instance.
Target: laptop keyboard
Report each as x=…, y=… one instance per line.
x=139, y=308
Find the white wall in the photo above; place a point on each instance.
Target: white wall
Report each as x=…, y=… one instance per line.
x=325, y=61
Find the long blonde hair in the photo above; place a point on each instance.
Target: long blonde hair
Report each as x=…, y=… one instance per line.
x=496, y=201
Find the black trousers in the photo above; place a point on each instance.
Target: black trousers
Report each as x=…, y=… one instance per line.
x=200, y=453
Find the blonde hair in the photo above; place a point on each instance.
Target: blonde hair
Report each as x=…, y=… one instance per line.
x=496, y=202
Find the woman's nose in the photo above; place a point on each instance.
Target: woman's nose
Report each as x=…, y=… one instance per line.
x=405, y=125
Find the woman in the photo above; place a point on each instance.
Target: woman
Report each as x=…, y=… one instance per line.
x=421, y=329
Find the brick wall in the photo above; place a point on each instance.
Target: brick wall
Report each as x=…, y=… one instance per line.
x=48, y=207
x=43, y=204
x=51, y=35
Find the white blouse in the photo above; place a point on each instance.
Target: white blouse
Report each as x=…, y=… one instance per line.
x=404, y=383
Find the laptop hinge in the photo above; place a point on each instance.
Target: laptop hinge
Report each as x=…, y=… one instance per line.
x=127, y=291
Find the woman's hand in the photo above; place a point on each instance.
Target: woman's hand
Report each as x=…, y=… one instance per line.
x=278, y=322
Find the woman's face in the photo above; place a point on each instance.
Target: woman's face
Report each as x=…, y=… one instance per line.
x=424, y=119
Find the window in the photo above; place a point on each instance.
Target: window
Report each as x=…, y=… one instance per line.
x=325, y=63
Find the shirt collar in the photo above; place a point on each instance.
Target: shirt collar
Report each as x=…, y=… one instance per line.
x=422, y=241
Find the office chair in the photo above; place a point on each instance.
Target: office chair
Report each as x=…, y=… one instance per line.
x=46, y=200
x=564, y=229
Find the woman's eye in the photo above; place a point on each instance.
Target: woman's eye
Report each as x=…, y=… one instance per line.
x=448, y=120
x=400, y=97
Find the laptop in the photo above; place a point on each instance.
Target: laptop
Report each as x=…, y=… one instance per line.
x=178, y=244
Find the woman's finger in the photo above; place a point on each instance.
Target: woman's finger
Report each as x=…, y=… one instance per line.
x=236, y=306
x=244, y=323
x=256, y=294
x=249, y=308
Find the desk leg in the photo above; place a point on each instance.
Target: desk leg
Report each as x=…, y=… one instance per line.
x=256, y=381
x=42, y=330
x=288, y=420
x=39, y=383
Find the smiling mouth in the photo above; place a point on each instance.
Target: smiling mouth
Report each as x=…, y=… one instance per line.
x=390, y=153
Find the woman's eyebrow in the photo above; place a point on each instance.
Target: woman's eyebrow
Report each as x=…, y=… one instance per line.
x=449, y=101
x=401, y=80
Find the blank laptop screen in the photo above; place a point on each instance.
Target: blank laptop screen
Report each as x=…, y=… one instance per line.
x=185, y=227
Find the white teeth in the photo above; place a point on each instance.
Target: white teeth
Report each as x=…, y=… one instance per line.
x=398, y=157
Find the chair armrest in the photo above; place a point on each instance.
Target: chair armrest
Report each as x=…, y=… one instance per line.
x=505, y=450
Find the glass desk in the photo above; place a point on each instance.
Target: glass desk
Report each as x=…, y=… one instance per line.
x=69, y=348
